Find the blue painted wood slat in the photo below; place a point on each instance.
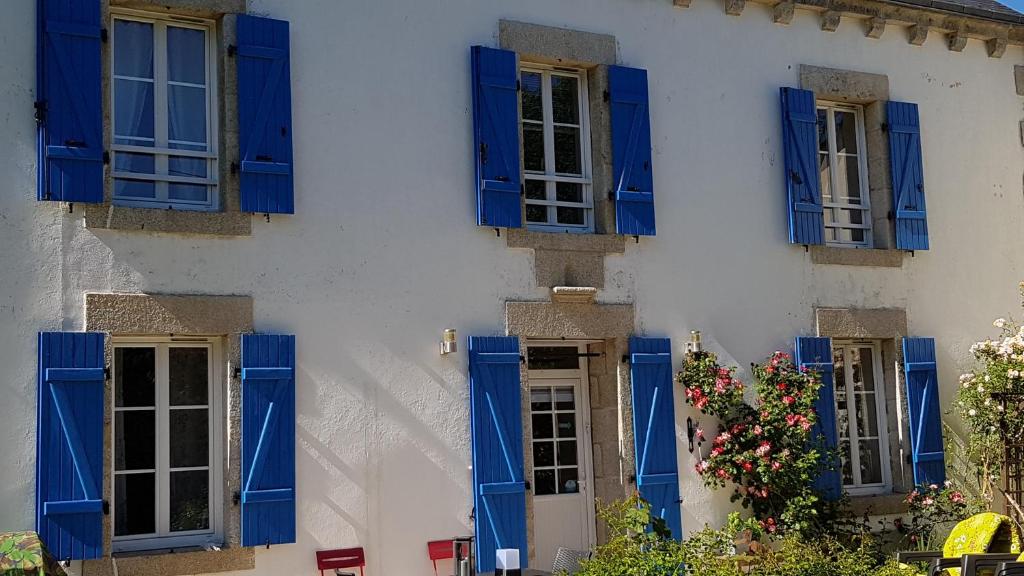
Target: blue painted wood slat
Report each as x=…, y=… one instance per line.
x=800, y=155
x=268, y=439
x=496, y=137
x=69, y=444
x=907, y=175
x=654, y=428
x=499, y=489
x=925, y=419
x=69, y=103
x=265, y=116
x=815, y=353
x=632, y=168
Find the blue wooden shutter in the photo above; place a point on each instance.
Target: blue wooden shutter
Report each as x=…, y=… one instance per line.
x=496, y=138
x=654, y=428
x=265, y=116
x=631, y=151
x=816, y=354
x=907, y=175
x=268, y=439
x=69, y=444
x=69, y=109
x=926, y=452
x=800, y=151
x=499, y=492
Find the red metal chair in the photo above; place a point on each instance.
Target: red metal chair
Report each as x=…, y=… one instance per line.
x=341, y=558
x=440, y=550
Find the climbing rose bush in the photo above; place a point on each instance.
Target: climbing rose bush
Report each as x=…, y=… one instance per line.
x=764, y=450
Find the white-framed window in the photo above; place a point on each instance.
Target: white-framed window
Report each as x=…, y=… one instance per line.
x=842, y=164
x=861, y=417
x=167, y=443
x=556, y=148
x=163, y=111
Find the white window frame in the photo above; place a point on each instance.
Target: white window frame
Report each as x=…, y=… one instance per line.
x=858, y=488
x=160, y=83
x=833, y=158
x=549, y=176
x=163, y=538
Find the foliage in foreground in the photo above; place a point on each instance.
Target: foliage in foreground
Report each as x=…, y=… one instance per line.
x=641, y=545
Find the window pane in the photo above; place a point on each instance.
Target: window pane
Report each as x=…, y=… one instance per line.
x=188, y=376
x=825, y=173
x=568, y=192
x=133, y=110
x=186, y=112
x=552, y=358
x=536, y=190
x=544, y=482
x=843, y=193
x=533, y=147
x=540, y=399
x=822, y=130
x=186, y=55
x=185, y=166
x=188, y=192
x=567, y=453
x=543, y=427
x=867, y=415
x=565, y=398
x=567, y=150
x=134, y=504
x=565, y=99
x=190, y=500
x=566, y=425
x=870, y=462
x=844, y=451
x=855, y=216
x=189, y=438
x=568, y=481
x=543, y=453
x=867, y=370
x=134, y=377
x=133, y=49
x=134, y=189
x=536, y=213
x=853, y=179
x=846, y=132
x=573, y=216
x=857, y=236
x=135, y=440
x=530, y=84
x=137, y=163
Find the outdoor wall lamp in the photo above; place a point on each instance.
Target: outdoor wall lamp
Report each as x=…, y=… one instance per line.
x=694, y=344
x=448, y=342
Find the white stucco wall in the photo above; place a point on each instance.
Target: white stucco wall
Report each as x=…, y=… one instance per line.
x=382, y=253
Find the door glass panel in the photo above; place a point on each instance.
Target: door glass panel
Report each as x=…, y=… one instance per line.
x=867, y=371
x=565, y=399
x=533, y=107
x=543, y=454
x=566, y=425
x=844, y=451
x=567, y=453
x=190, y=500
x=189, y=376
x=135, y=440
x=186, y=55
x=543, y=427
x=568, y=481
x=135, y=377
x=544, y=482
x=846, y=132
x=135, y=504
x=540, y=399
x=867, y=416
x=870, y=462
x=189, y=438
x=565, y=99
x=552, y=358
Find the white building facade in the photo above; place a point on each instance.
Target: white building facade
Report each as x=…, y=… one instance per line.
x=235, y=232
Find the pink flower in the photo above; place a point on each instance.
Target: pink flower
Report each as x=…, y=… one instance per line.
x=763, y=449
x=776, y=466
x=781, y=386
x=721, y=473
x=928, y=501
x=702, y=466
x=725, y=436
x=716, y=451
x=956, y=497
x=788, y=400
x=758, y=430
x=806, y=424
x=700, y=434
x=747, y=466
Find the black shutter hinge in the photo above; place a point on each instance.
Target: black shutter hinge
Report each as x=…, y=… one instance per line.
x=237, y=373
x=106, y=157
x=40, y=114
x=236, y=498
x=234, y=168
x=885, y=126
x=104, y=35
x=519, y=86
x=106, y=372
x=625, y=358
x=106, y=508
x=522, y=359
x=232, y=50
x=796, y=177
x=483, y=152
x=889, y=215
x=606, y=96
x=611, y=196
x=528, y=485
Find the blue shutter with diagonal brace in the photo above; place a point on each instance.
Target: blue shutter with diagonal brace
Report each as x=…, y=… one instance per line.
x=816, y=354
x=907, y=175
x=268, y=439
x=496, y=137
x=800, y=154
x=654, y=428
x=69, y=111
x=265, y=116
x=631, y=151
x=69, y=444
x=499, y=491
x=921, y=375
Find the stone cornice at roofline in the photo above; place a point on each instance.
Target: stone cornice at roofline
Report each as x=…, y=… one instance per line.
x=877, y=17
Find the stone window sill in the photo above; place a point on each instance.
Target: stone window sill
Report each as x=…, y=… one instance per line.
x=877, y=505
x=174, y=563
x=110, y=217
x=873, y=257
x=604, y=243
